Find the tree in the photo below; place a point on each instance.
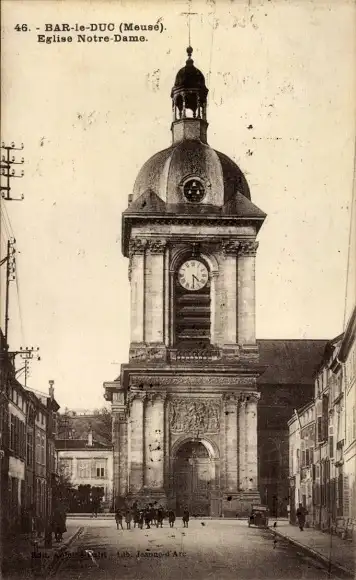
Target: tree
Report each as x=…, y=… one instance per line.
x=103, y=423
x=62, y=490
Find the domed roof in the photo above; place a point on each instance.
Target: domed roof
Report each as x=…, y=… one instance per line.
x=190, y=77
x=166, y=172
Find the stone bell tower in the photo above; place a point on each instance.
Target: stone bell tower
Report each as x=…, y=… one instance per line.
x=185, y=405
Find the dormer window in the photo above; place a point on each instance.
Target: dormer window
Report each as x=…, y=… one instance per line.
x=193, y=190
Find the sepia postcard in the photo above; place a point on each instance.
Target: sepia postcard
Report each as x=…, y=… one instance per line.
x=178, y=296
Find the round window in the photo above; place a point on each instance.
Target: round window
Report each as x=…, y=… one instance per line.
x=193, y=190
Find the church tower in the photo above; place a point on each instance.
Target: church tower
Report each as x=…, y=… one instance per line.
x=185, y=405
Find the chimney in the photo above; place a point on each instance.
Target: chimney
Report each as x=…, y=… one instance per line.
x=51, y=389
x=90, y=438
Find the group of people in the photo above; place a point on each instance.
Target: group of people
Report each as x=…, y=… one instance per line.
x=148, y=516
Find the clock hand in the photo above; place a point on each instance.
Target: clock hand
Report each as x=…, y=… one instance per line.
x=194, y=278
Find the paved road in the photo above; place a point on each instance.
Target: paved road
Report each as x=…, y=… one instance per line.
x=220, y=550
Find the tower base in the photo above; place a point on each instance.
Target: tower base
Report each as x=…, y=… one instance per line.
x=239, y=504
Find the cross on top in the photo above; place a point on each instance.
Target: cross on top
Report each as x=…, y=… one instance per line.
x=188, y=15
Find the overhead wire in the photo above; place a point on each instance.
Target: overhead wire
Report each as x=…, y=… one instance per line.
x=353, y=192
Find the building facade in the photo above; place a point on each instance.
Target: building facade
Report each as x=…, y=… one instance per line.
x=87, y=462
x=27, y=452
x=185, y=406
x=322, y=447
x=301, y=461
x=346, y=441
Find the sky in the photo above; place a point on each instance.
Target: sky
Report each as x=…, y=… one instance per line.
x=90, y=115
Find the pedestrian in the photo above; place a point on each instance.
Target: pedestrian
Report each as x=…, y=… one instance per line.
x=136, y=517
x=301, y=513
x=128, y=518
x=94, y=509
x=159, y=517
x=141, y=519
x=59, y=523
x=185, y=518
x=171, y=518
x=118, y=519
x=147, y=516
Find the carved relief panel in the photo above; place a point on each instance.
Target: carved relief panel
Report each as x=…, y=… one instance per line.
x=189, y=415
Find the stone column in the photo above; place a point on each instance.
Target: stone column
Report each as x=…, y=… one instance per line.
x=242, y=443
x=232, y=455
x=230, y=248
x=154, y=441
x=120, y=483
x=246, y=292
x=136, y=441
x=213, y=276
x=251, y=440
x=155, y=291
x=137, y=280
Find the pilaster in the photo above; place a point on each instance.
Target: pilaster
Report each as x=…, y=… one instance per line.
x=136, y=441
x=229, y=265
x=154, y=293
x=251, y=438
x=231, y=429
x=154, y=441
x=137, y=279
x=246, y=292
x=120, y=453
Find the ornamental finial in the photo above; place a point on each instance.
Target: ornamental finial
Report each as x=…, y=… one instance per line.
x=189, y=53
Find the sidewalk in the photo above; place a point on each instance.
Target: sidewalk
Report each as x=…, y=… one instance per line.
x=320, y=545
x=19, y=557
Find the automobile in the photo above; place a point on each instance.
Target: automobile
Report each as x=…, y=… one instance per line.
x=258, y=516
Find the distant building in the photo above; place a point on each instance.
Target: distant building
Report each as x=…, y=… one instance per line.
x=286, y=384
x=88, y=462
x=27, y=454
x=301, y=457
x=345, y=402
x=322, y=441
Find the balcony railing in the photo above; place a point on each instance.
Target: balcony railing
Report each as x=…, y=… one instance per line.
x=196, y=355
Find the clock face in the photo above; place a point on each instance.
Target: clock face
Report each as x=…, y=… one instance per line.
x=193, y=275
x=193, y=190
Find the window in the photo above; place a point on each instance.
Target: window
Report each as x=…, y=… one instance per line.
x=100, y=468
x=307, y=457
x=84, y=471
x=319, y=429
x=43, y=450
x=38, y=447
x=29, y=457
x=12, y=432
x=331, y=446
x=193, y=190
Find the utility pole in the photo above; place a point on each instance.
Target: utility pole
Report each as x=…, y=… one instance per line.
x=27, y=354
x=8, y=172
x=10, y=277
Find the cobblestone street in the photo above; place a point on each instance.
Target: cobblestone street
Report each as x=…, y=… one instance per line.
x=224, y=549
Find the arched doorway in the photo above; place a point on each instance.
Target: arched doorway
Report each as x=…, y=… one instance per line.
x=193, y=478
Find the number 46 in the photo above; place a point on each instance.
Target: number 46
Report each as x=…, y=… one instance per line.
x=21, y=28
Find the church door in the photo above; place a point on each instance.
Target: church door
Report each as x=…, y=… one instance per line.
x=193, y=475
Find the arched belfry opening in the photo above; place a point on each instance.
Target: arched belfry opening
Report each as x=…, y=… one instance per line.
x=193, y=478
x=192, y=304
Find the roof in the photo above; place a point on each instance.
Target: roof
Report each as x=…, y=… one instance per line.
x=164, y=172
x=348, y=337
x=80, y=444
x=293, y=362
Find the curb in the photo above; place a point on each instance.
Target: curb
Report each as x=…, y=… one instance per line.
x=55, y=558
x=310, y=552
